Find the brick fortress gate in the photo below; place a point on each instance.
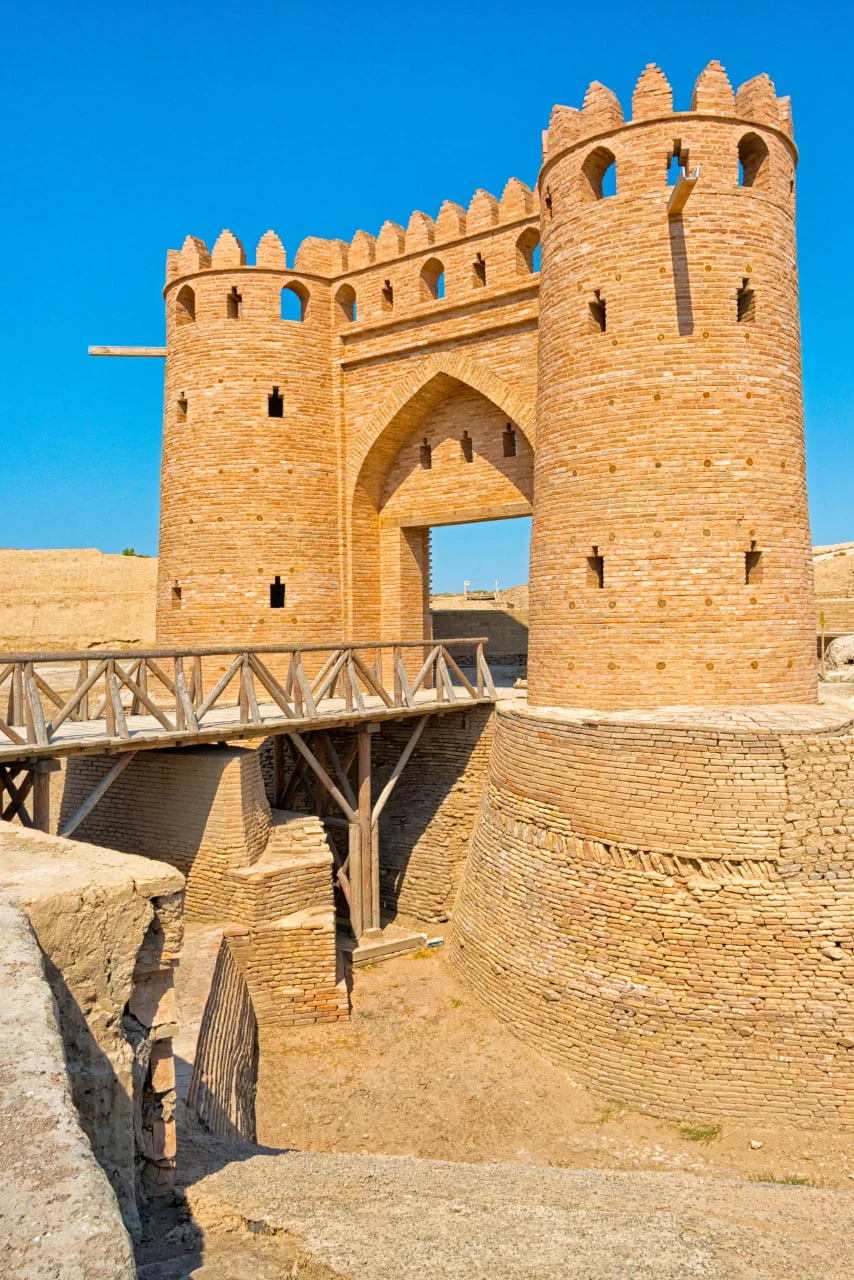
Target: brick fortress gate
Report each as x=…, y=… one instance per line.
x=658, y=886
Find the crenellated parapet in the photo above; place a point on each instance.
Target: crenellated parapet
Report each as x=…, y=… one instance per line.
x=401, y=269
x=755, y=102
x=331, y=259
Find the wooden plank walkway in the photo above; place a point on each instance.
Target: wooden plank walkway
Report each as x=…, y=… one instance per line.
x=145, y=699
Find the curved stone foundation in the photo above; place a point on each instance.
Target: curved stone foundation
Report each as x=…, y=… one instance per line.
x=663, y=902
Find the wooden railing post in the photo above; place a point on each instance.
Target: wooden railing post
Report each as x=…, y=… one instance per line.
x=479, y=668
x=180, y=715
x=243, y=699
x=296, y=662
x=16, y=696
x=81, y=711
x=198, y=692
x=109, y=708
x=398, y=686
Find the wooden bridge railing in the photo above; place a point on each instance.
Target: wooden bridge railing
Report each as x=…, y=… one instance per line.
x=169, y=685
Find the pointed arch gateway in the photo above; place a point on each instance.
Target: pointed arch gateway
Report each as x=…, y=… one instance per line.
x=433, y=453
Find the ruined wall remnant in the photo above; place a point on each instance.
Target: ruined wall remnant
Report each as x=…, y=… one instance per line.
x=60, y=1216
x=267, y=874
x=78, y=599
x=109, y=927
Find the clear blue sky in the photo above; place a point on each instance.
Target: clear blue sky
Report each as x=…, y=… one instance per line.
x=127, y=126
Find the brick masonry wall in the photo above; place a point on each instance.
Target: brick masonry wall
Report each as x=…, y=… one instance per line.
x=688, y=972
x=507, y=632
x=426, y=826
x=672, y=441
x=246, y=496
x=201, y=809
x=266, y=874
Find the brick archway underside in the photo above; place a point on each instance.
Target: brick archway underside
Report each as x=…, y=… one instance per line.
x=389, y=557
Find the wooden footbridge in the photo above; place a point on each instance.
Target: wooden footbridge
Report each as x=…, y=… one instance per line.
x=125, y=701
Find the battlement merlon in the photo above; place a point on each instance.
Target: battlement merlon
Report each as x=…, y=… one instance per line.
x=335, y=259
x=755, y=102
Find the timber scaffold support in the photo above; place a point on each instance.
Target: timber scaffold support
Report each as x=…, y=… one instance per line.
x=121, y=702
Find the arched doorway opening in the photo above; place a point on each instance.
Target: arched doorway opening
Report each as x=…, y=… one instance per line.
x=450, y=455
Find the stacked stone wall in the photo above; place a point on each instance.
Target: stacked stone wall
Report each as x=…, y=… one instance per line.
x=690, y=974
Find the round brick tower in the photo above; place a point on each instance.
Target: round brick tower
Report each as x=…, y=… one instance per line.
x=248, y=523
x=657, y=891
x=670, y=559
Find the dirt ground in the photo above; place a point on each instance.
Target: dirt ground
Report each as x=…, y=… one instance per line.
x=422, y=1069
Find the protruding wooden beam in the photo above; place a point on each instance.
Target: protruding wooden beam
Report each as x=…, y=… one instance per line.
x=127, y=351
x=685, y=184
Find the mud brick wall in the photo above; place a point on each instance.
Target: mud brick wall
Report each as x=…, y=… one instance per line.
x=225, y=1066
x=290, y=969
x=201, y=809
x=687, y=980
x=293, y=874
x=110, y=928
x=506, y=631
x=426, y=826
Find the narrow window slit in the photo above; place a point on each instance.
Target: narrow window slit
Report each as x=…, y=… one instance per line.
x=275, y=404
x=597, y=313
x=426, y=455
x=234, y=304
x=176, y=596
x=467, y=445
x=746, y=303
x=596, y=569
x=388, y=296
x=277, y=593
x=752, y=566
x=181, y=409
x=479, y=272
x=509, y=441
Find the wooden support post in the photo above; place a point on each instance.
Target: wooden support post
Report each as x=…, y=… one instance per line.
x=16, y=696
x=41, y=792
x=821, y=620
x=41, y=800
x=109, y=706
x=82, y=711
x=354, y=873
x=278, y=769
x=369, y=868
x=398, y=687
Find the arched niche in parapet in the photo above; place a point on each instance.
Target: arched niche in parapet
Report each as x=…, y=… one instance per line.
x=295, y=300
x=598, y=174
x=528, y=252
x=754, y=163
x=346, y=305
x=432, y=280
x=185, y=305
